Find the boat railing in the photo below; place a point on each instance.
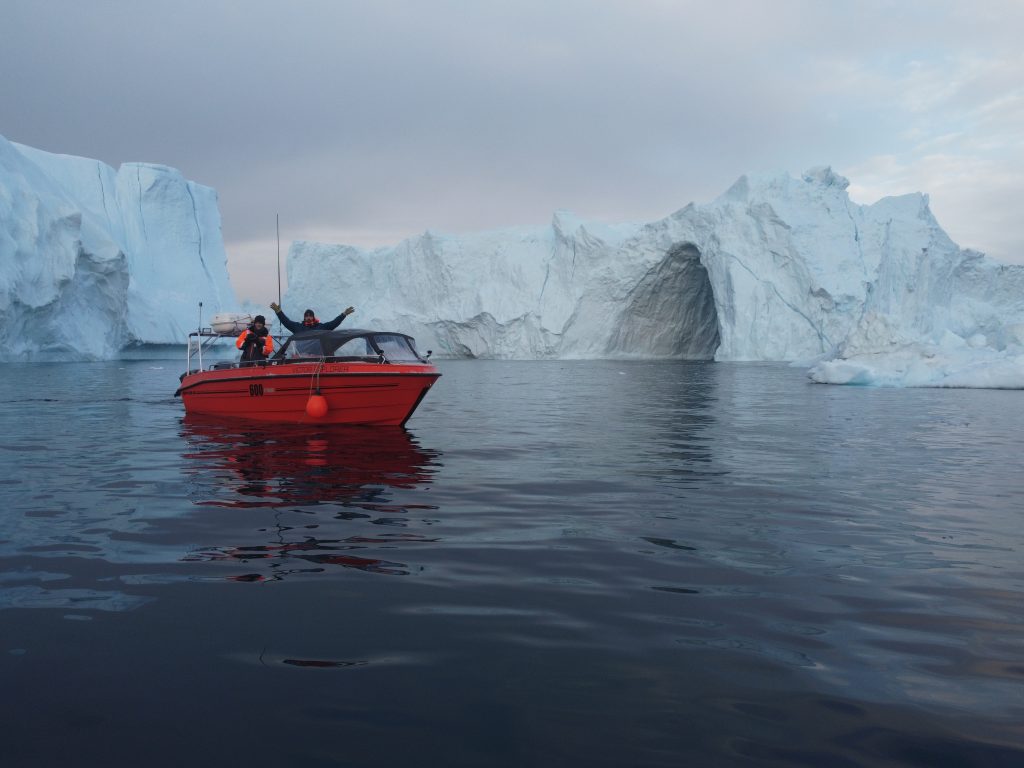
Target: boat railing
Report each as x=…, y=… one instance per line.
x=204, y=339
x=387, y=347
x=198, y=341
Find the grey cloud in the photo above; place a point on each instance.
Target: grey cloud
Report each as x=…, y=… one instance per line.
x=398, y=116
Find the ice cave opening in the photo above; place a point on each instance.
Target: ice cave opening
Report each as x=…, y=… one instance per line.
x=671, y=311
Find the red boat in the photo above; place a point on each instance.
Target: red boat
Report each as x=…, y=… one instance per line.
x=352, y=376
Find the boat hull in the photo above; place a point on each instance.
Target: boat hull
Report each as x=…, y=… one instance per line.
x=354, y=393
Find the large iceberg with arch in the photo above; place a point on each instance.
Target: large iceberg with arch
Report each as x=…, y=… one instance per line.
x=776, y=268
x=94, y=260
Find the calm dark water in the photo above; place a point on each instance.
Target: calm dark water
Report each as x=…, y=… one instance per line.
x=557, y=564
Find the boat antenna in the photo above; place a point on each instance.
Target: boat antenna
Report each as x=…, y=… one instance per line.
x=277, y=218
x=199, y=338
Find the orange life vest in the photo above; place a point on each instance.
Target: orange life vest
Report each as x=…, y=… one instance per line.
x=268, y=342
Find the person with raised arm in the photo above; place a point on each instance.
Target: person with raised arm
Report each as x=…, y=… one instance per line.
x=309, y=320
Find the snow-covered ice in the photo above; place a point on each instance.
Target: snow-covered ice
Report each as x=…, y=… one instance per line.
x=776, y=268
x=94, y=260
x=952, y=361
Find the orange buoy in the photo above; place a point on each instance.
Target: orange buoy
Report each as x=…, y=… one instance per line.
x=316, y=406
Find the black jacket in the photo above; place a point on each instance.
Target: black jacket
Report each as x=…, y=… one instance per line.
x=295, y=327
x=252, y=343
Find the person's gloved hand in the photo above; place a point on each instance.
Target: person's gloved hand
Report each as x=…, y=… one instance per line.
x=349, y=311
x=275, y=306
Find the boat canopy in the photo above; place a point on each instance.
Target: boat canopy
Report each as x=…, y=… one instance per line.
x=353, y=344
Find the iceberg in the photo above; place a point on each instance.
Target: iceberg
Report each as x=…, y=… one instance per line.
x=94, y=260
x=776, y=268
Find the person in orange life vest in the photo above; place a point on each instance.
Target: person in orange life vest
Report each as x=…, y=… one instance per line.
x=309, y=320
x=255, y=341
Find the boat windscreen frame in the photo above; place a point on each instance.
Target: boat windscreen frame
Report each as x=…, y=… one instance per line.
x=330, y=341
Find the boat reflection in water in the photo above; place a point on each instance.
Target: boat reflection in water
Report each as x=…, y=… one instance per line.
x=325, y=486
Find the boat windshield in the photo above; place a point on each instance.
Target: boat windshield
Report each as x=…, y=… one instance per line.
x=352, y=344
x=357, y=347
x=304, y=348
x=396, y=348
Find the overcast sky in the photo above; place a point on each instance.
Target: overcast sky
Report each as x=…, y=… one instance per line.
x=366, y=122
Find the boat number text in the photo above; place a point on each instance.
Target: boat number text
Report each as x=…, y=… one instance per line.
x=255, y=390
